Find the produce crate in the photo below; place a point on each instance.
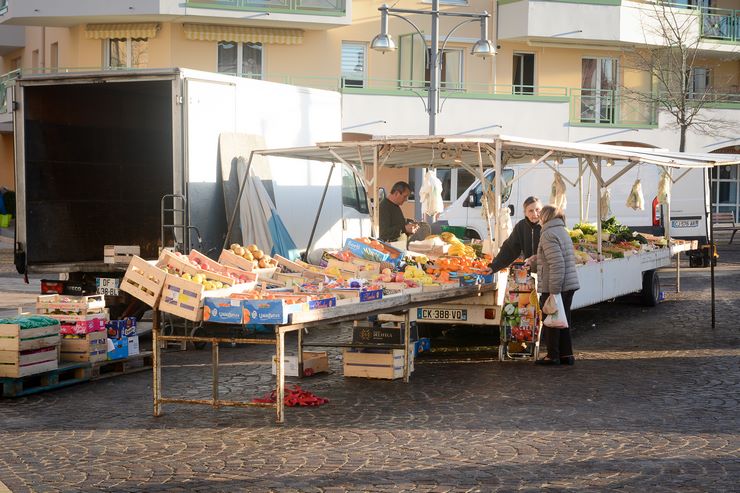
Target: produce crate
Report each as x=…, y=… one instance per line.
x=143, y=280
x=374, y=363
x=47, y=303
x=93, y=323
x=91, y=347
x=182, y=298
x=28, y=351
x=313, y=362
x=78, y=318
x=119, y=254
x=231, y=259
x=178, y=263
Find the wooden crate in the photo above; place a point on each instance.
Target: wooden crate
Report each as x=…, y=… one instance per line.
x=143, y=280
x=119, y=254
x=47, y=303
x=386, y=363
x=182, y=298
x=28, y=351
x=92, y=347
x=231, y=259
x=79, y=318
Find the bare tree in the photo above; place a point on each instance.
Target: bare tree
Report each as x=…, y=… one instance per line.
x=673, y=61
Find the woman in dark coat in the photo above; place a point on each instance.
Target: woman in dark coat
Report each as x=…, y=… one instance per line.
x=556, y=274
x=524, y=238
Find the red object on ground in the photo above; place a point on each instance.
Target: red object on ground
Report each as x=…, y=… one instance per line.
x=294, y=396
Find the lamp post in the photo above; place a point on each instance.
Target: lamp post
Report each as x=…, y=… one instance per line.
x=383, y=42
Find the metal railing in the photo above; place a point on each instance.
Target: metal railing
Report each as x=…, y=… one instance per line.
x=334, y=7
x=610, y=107
x=722, y=24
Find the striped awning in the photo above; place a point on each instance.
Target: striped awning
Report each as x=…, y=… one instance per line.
x=242, y=34
x=130, y=30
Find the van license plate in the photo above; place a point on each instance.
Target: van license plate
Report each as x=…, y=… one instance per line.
x=108, y=286
x=441, y=314
x=684, y=223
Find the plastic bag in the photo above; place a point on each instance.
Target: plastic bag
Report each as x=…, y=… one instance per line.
x=636, y=200
x=555, y=319
x=606, y=204
x=431, y=194
x=664, y=188
x=487, y=200
x=557, y=192
x=503, y=223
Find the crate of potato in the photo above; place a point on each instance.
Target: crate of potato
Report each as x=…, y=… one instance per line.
x=27, y=349
x=91, y=347
x=249, y=258
x=143, y=280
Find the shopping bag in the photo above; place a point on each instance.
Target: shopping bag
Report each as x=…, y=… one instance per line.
x=556, y=319
x=550, y=306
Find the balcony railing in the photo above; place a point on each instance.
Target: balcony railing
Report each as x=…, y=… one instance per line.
x=610, y=108
x=3, y=6
x=313, y=7
x=721, y=24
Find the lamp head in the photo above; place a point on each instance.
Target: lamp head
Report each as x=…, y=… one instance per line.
x=382, y=43
x=483, y=47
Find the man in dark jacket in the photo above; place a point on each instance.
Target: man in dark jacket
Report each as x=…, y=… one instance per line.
x=390, y=215
x=524, y=238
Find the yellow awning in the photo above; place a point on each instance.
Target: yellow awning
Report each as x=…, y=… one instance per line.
x=241, y=34
x=130, y=30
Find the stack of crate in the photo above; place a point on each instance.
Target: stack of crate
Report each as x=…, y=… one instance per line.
x=82, y=320
x=28, y=349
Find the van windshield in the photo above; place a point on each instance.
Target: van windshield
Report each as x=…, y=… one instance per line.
x=478, y=190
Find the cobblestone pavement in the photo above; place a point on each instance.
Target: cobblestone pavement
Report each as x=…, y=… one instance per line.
x=651, y=405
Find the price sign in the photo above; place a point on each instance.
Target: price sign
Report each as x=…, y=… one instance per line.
x=108, y=286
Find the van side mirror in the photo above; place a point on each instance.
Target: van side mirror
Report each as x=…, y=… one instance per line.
x=471, y=201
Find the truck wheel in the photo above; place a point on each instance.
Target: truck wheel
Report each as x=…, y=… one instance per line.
x=650, y=288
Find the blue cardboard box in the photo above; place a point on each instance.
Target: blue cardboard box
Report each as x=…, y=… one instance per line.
x=267, y=311
x=322, y=303
x=223, y=310
x=422, y=345
x=117, y=348
x=367, y=252
x=125, y=327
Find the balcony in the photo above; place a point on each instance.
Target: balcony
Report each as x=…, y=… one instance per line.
x=720, y=24
x=306, y=13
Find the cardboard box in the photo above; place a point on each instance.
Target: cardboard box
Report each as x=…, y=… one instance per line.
x=223, y=310
x=133, y=345
x=358, y=294
x=124, y=327
x=117, y=348
x=375, y=363
x=367, y=252
x=248, y=312
x=91, y=347
x=313, y=362
x=95, y=323
x=382, y=334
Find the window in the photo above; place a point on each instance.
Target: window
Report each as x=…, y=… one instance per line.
x=240, y=59
x=508, y=177
x=54, y=57
x=699, y=82
x=353, y=193
x=454, y=182
x=353, y=64
x=414, y=64
x=725, y=186
x=598, y=89
x=523, y=77
x=126, y=53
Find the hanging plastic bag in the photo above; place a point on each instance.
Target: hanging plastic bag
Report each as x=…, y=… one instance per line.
x=555, y=311
x=557, y=192
x=606, y=204
x=636, y=200
x=487, y=200
x=431, y=194
x=664, y=188
x=503, y=223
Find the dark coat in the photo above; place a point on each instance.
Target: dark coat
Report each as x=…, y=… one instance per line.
x=523, y=241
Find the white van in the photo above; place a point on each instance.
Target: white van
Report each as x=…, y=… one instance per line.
x=688, y=217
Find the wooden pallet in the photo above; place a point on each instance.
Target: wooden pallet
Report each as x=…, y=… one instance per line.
x=72, y=373
x=66, y=374
x=132, y=364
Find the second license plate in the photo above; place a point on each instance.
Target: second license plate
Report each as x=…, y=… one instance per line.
x=441, y=314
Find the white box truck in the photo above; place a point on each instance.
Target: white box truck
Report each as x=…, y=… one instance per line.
x=96, y=152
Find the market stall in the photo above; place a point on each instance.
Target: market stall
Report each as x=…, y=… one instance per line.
x=450, y=288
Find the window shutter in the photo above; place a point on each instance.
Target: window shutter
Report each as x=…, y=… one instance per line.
x=353, y=64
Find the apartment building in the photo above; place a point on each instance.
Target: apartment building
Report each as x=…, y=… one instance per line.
x=565, y=69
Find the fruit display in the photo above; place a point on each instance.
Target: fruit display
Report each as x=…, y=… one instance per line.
x=252, y=253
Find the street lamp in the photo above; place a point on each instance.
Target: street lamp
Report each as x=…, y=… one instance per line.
x=383, y=42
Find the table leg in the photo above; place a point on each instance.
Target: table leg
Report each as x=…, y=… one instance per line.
x=406, y=344
x=156, y=365
x=678, y=272
x=280, y=375
x=300, y=353
x=214, y=371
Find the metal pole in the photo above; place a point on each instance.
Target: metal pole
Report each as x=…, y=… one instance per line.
x=498, y=184
x=214, y=371
x=433, y=70
x=406, y=346
x=280, y=375
x=711, y=261
x=318, y=212
x=376, y=204
x=156, y=365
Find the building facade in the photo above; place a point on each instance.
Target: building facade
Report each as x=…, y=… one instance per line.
x=565, y=69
